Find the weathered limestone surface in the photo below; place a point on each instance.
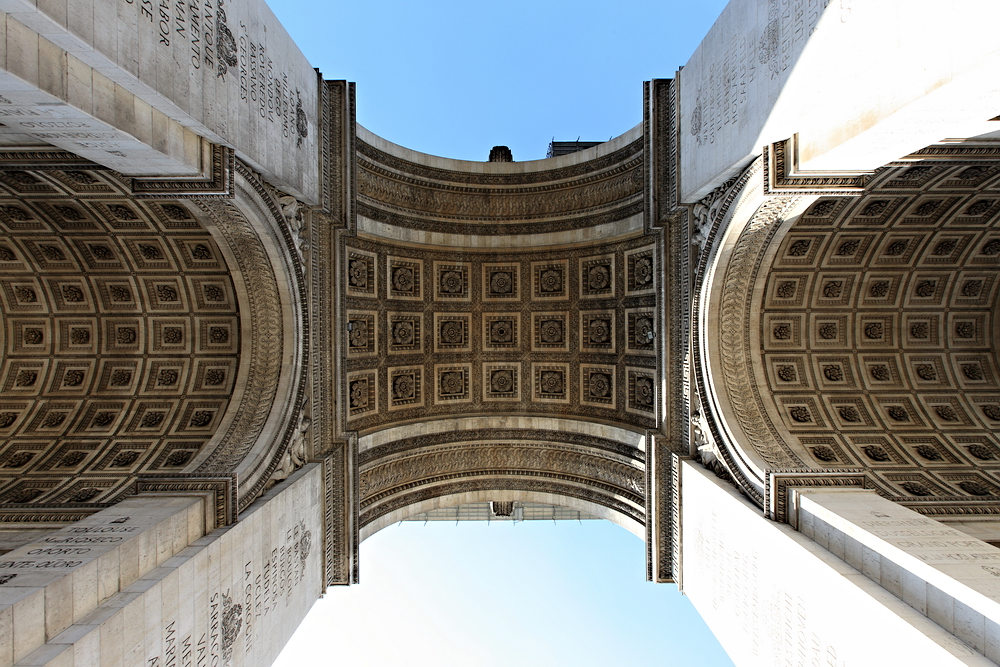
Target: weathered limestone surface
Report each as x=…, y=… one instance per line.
x=773, y=596
x=941, y=572
x=862, y=83
x=157, y=591
x=134, y=84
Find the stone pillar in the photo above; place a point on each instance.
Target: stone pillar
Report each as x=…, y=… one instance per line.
x=773, y=596
x=141, y=584
x=945, y=574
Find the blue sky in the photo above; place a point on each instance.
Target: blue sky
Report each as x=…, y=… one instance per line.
x=454, y=79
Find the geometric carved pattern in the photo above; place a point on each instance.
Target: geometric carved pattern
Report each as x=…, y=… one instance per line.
x=121, y=333
x=877, y=315
x=502, y=332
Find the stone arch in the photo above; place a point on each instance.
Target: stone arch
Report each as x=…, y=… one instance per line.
x=592, y=466
x=855, y=335
x=131, y=343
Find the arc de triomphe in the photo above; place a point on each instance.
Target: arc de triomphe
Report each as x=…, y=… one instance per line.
x=242, y=333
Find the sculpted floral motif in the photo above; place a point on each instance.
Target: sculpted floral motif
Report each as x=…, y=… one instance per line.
x=644, y=391
x=502, y=381
x=920, y=330
x=848, y=248
x=982, y=452
x=551, y=331
x=151, y=419
x=359, y=393
x=402, y=279
x=898, y=413
x=501, y=331
x=965, y=330
x=168, y=377
x=879, y=288
x=201, y=418
x=79, y=336
x=880, y=373
x=849, y=413
x=102, y=253
x=800, y=414
x=975, y=488
x=550, y=281
x=946, y=413
x=599, y=330
x=926, y=288
x=599, y=277
x=927, y=207
x=52, y=253
x=451, y=282
x=72, y=294
x=827, y=331
x=403, y=387
x=787, y=373
x=452, y=382
x=875, y=208
x=358, y=273
x=916, y=489
x=102, y=419
x=453, y=332
x=876, y=453
x=785, y=289
x=173, y=335
x=33, y=337
x=25, y=294
x=873, y=330
x=501, y=282
x=643, y=271
x=551, y=382
x=945, y=247
x=992, y=411
x=824, y=454
x=833, y=289
x=643, y=331
x=122, y=212
x=799, y=248
x=833, y=373
x=119, y=293
x=600, y=385
x=402, y=333
x=896, y=248
x=972, y=371
x=358, y=336
x=972, y=288
x=980, y=207
x=166, y=293
x=73, y=378
x=214, y=377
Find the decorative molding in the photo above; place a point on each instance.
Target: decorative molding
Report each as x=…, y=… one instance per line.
x=782, y=175
x=223, y=488
x=217, y=179
x=408, y=195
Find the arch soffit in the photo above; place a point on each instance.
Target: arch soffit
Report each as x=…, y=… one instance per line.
x=869, y=325
x=126, y=283
x=577, y=461
x=454, y=499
